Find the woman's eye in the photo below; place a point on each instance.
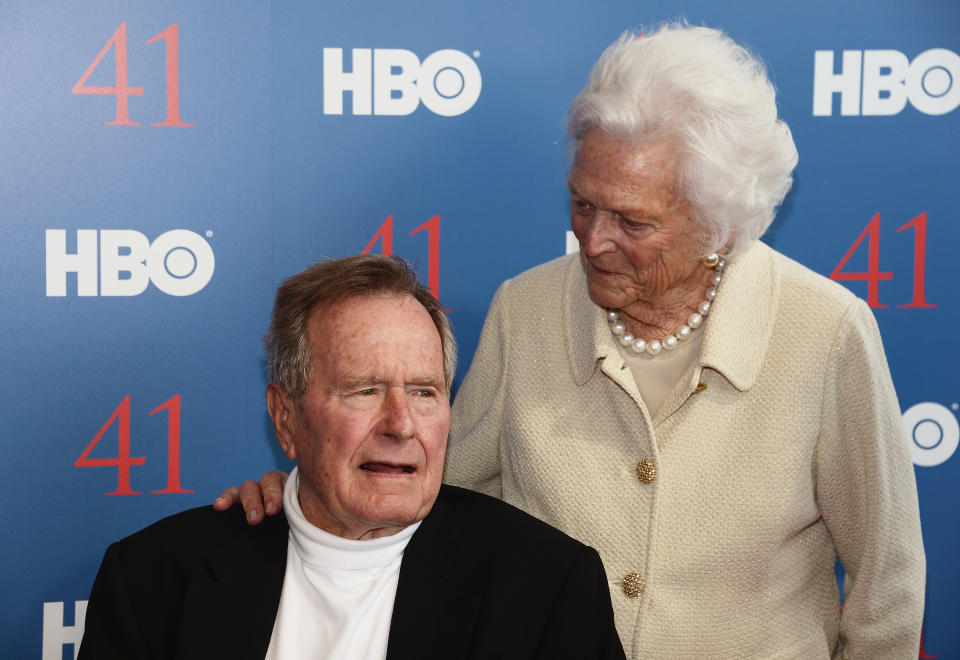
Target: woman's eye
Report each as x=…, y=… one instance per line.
x=632, y=224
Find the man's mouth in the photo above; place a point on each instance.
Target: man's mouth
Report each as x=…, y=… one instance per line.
x=388, y=468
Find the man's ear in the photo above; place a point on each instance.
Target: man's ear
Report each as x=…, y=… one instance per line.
x=282, y=410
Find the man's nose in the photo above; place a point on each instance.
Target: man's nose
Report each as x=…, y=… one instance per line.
x=398, y=419
x=599, y=238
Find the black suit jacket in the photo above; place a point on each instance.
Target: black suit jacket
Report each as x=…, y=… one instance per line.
x=479, y=579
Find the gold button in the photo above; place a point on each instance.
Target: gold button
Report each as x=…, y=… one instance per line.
x=634, y=585
x=646, y=470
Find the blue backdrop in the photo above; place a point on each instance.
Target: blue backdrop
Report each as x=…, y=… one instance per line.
x=165, y=165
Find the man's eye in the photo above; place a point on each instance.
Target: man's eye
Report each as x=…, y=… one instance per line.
x=580, y=206
x=370, y=391
x=426, y=394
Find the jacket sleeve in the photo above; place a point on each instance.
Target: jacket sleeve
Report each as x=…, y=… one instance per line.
x=867, y=496
x=112, y=629
x=581, y=623
x=476, y=429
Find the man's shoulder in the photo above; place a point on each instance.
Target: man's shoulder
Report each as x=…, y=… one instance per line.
x=200, y=530
x=511, y=581
x=498, y=521
x=175, y=589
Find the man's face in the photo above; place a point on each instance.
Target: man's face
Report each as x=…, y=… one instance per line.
x=370, y=434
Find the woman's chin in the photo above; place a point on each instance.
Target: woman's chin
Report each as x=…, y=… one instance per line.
x=606, y=298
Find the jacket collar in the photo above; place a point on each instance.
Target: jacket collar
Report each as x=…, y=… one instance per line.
x=231, y=612
x=440, y=565
x=440, y=571
x=737, y=331
x=740, y=324
x=588, y=340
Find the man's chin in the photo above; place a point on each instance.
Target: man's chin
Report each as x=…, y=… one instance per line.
x=396, y=517
x=406, y=505
x=395, y=502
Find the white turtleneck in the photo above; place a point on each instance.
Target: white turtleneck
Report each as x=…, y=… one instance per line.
x=338, y=593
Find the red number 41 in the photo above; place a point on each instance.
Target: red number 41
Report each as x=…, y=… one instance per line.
x=432, y=227
x=873, y=275
x=124, y=460
x=122, y=90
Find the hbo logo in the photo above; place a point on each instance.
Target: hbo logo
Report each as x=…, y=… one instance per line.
x=932, y=433
x=880, y=82
x=178, y=262
x=394, y=82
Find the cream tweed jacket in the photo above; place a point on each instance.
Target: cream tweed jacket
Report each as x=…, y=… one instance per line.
x=779, y=450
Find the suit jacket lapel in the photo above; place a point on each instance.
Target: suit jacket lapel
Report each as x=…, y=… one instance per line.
x=231, y=606
x=436, y=607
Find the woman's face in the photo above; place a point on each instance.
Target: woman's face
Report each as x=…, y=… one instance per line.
x=638, y=241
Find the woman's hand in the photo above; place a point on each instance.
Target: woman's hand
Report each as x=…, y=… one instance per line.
x=255, y=497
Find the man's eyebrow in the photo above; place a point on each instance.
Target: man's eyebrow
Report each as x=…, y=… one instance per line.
x=353, y=382
x=428, y=381
x=572, y=187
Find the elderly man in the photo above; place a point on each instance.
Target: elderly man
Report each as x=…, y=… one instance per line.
x=373, y=558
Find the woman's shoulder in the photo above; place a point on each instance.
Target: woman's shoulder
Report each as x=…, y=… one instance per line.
x=545, y=275
x=540, y=286
x=797, y=282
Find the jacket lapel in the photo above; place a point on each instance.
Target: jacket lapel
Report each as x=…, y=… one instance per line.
x=436, y=609
x=231, y=604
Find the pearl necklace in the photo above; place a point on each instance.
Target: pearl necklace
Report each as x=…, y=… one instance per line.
x=694, y=321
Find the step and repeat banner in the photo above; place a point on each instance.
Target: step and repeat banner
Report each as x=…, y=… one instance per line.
x=163, y=166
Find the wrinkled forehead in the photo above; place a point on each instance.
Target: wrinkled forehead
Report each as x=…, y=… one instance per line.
x=379, y=332
x=623, y=174
x=647, y=162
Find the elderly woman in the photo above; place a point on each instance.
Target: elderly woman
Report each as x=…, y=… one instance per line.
x=717, y=420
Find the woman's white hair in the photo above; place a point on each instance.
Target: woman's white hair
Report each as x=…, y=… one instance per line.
x=696, y=90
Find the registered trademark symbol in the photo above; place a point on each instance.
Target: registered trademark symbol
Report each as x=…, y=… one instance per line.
x=476, y=53
x=955, y=405
x=209, y=233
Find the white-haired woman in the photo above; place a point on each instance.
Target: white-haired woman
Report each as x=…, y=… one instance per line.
x=717, y=420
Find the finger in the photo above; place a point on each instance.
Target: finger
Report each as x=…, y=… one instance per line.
x=226, y=499
x=271, y=485
x=251, y=501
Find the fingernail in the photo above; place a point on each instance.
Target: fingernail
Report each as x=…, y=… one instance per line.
x=252, y=516
x=219, y=500
x=271, y=508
